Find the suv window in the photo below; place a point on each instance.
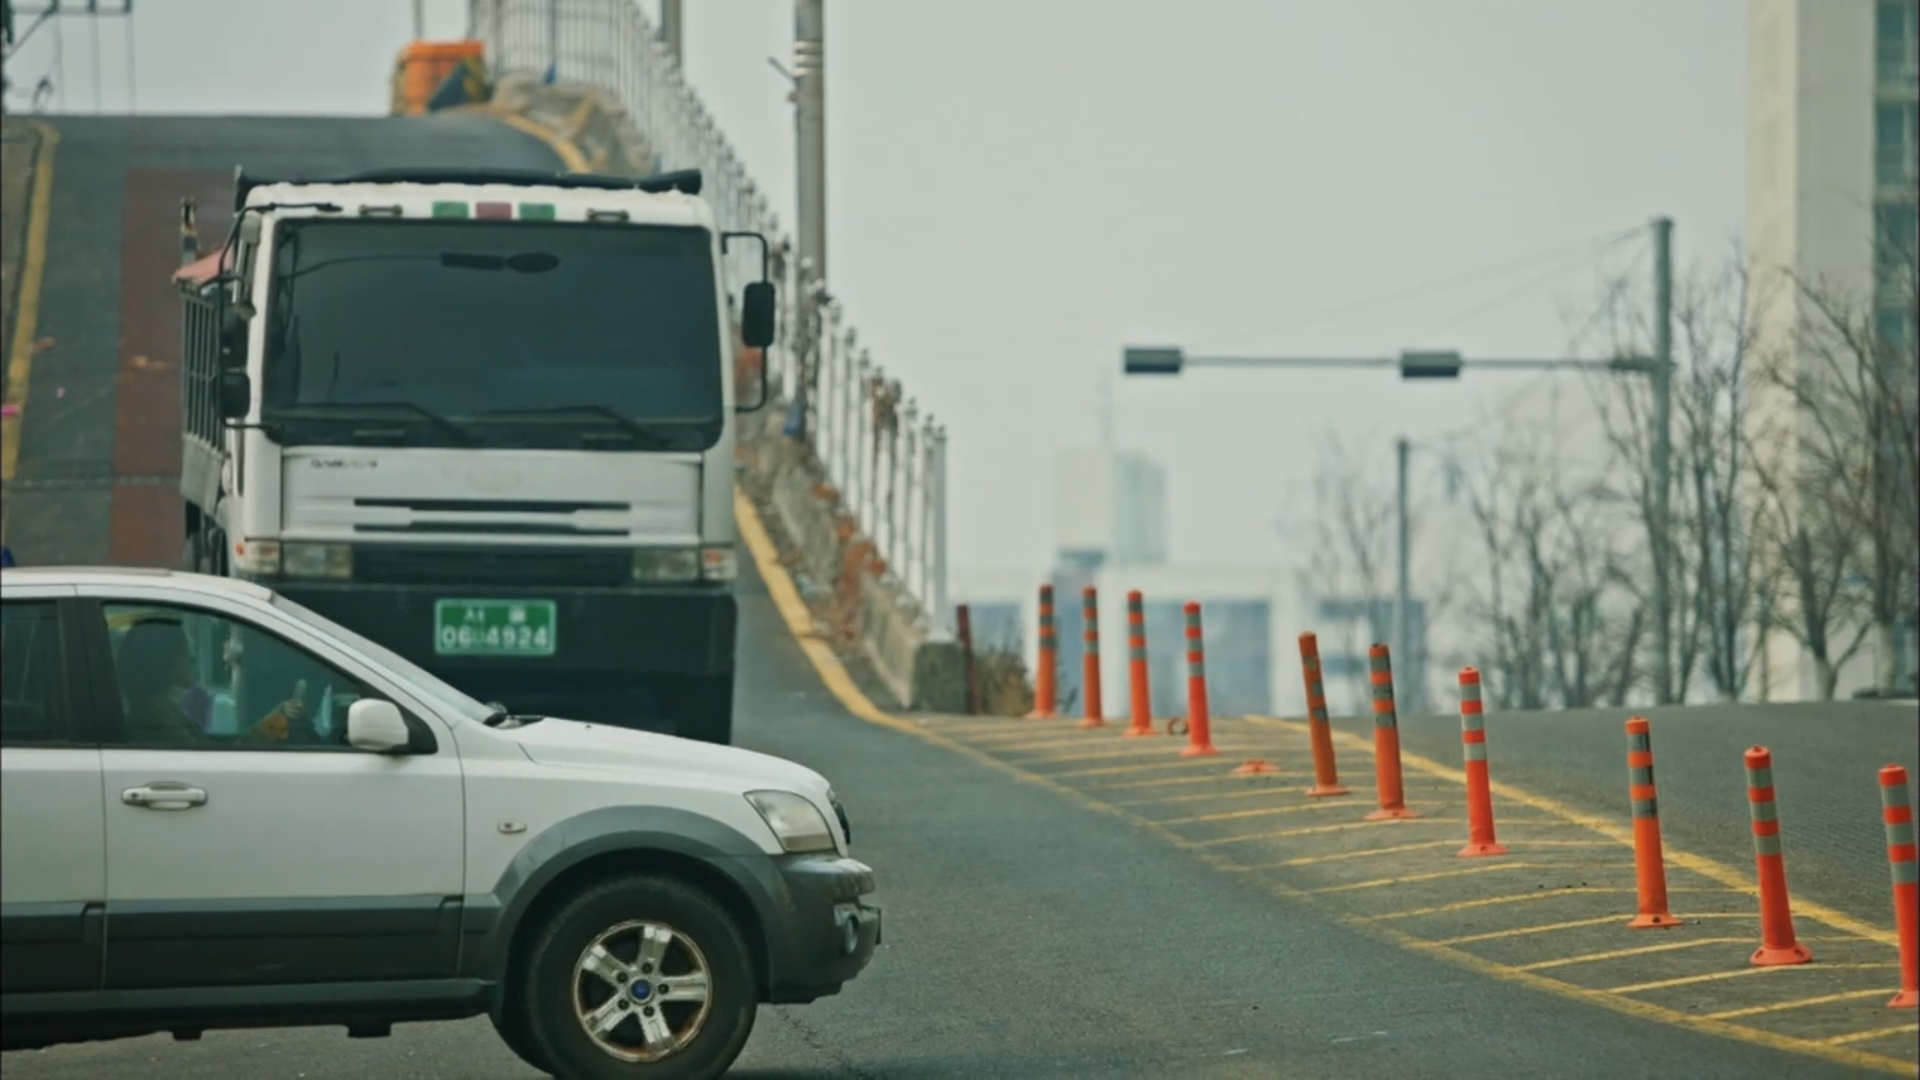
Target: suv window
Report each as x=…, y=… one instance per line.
x=188, y=677
x=33, y=691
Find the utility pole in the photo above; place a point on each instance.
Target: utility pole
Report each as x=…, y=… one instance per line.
x=672, y=27
x=1402, y=634
x=810, y=120
x=419, y=20
x=810, y=175
x=1660, y=528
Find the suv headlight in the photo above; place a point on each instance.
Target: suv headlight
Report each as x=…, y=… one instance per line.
x=798, y=824
x=302, y=560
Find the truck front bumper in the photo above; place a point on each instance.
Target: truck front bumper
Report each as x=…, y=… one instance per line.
x=607, y=641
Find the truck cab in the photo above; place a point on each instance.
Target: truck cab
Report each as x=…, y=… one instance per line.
x=487, y=420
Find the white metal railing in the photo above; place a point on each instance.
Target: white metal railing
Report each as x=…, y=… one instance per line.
x=884, y=455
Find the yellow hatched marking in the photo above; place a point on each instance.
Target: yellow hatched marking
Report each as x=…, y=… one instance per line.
x=1521, y=898
x=1222, y=777
x=1465, y=871
x=1310, y=860
x=1495, y=935
x=1132, y=750
x=1123, y=770
x=1264, y=811
x=1310, y=830
x=1803, y=1003
x=1263, y=790
x=1877, y=1033
x=1737, y=973
x=1615, y=954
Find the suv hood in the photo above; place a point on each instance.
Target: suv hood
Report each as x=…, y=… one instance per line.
x=577, y=743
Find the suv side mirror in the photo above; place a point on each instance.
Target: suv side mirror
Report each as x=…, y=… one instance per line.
x=377, y=726
x=236, y=394
x=757, y=315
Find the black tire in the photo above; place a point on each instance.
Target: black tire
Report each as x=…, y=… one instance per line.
x=514, y=1030
x=703, y=935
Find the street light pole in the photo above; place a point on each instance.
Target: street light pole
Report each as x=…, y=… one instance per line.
x=1402, y=604
x=1660, y=528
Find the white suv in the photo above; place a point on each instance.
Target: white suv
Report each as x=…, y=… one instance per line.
x=277, y=822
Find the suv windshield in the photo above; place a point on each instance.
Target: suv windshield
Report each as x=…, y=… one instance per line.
x=422, y=681
x=496, y=333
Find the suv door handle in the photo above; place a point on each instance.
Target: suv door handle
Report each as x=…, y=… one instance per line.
x=165, y=795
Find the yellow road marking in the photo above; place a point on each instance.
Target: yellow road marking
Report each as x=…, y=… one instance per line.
x=1783, y=1006
x=1570, y=843
x=1739, y=973
x=1615, y=954
x=1701, y=865
x=1263, y=811
x=1493, y=901
x=1465, y=871
x=1223, y=778
x=1177, y=763
x=1338, y=856
x=834, y=676
x=1267, y=790
x=26, y=312
x=1109, y=753
x=1310, y=830
x=1519, y=931
x=1876, y=1033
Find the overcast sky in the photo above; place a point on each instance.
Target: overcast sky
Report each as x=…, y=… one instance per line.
x=1019, y=188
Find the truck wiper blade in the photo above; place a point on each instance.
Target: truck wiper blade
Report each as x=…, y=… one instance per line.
x=347, y=409
x=647, y=432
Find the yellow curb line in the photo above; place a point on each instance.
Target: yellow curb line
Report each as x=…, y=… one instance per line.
x=26, y=312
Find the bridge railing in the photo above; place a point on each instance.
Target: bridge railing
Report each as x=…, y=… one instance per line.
x=884, y=456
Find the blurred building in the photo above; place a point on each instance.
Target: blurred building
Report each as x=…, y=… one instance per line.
x=1110, y=517
x=1831, y=136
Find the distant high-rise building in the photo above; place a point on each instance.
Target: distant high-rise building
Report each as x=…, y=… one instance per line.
x=1831, y=137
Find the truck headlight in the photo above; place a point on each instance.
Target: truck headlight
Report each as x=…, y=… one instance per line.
x=302, y=560
x=660, y=565
x=798, y=824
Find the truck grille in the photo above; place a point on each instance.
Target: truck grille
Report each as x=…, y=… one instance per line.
x=422, y=564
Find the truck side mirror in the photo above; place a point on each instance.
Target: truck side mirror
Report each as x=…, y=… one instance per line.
x=757, y=315
x=236, y=394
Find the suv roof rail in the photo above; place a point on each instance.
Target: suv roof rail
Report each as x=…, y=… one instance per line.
x=686, y=181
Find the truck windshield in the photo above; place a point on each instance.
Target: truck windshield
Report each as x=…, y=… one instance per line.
x=511, y=333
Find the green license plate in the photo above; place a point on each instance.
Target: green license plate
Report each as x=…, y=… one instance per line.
x=494, y=628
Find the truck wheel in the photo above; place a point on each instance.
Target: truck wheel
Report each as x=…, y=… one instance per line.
x=641, y=976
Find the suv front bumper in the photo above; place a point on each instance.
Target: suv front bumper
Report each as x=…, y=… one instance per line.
x=824, y=929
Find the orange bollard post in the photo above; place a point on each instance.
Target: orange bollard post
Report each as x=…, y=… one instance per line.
x=1199, y=723
x=1095, y=711
x=1649, y=867
x=1473, y=747
x=1386, y=740
x=1139, y=700
x=1045, y=689
x=1326, y=774
x=1778, y=946
x=1896, y=809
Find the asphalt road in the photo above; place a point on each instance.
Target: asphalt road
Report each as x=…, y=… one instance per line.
x=1028, y=936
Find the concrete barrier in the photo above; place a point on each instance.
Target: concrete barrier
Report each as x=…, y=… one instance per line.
x=867, y=611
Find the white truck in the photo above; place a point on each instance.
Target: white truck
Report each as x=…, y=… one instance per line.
x=485, y=418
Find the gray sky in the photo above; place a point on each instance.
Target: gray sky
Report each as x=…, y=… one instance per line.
x=1019, y=188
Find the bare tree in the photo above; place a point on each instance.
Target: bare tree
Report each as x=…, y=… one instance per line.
x=1563, y=625
x=1841, y=474
x=1710, y=543
x=1350, y=546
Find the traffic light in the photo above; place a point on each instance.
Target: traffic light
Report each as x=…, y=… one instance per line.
x=1153, y=360
x=1439, y=364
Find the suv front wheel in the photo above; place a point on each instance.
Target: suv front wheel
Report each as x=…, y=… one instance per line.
x=641, y=976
